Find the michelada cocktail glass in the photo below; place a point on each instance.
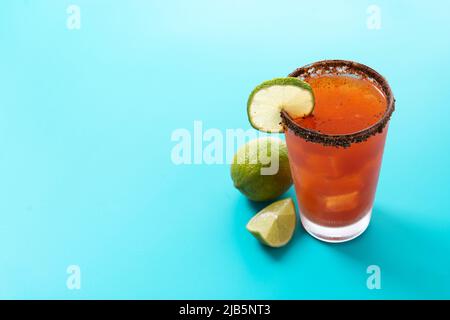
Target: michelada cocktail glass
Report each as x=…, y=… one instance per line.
x=335, y=153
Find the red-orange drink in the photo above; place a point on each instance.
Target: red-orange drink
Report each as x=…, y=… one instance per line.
x=335, y=153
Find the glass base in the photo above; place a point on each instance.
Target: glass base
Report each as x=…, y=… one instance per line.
x=337, y=234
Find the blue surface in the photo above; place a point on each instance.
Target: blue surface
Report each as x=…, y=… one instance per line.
x=86, y=176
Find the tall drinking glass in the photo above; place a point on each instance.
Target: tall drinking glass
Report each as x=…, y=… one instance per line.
x=335, y=154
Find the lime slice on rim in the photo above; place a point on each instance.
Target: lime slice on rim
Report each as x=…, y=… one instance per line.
x=270, y=97
x=275, y=224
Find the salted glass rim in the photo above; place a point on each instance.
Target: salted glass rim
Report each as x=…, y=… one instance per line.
x=341, y=67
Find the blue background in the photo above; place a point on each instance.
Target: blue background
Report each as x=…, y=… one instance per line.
x=86, y=176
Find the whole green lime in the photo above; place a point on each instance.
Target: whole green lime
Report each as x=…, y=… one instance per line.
x=260, y=169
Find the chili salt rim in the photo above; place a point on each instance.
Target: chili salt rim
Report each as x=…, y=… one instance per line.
x=339, y=67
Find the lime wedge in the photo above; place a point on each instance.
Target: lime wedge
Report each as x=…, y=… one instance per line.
x=268, y=99
x=275, y=224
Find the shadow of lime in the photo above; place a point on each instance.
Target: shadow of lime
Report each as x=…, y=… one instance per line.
x=411, y=255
